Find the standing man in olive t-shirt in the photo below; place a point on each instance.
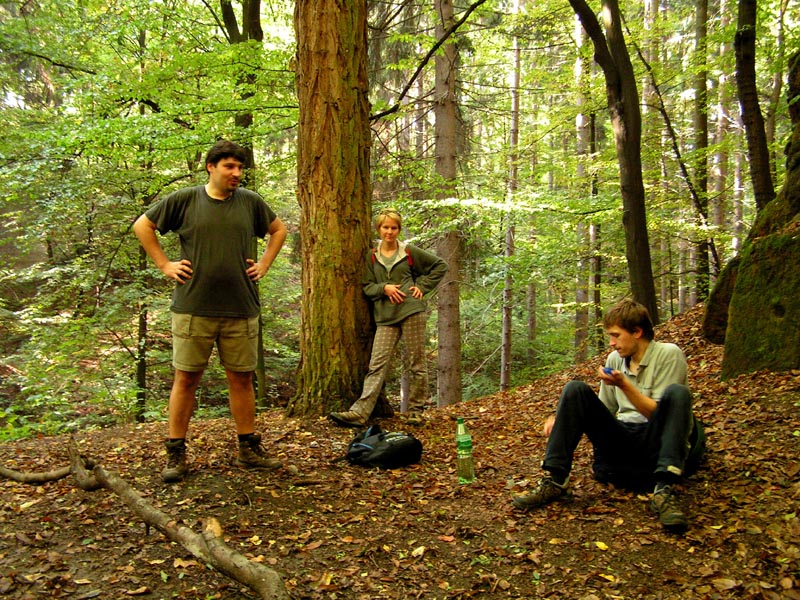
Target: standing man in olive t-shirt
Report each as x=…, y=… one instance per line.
x=215, y=300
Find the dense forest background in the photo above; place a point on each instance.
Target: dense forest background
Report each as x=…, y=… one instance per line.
x=108, y=105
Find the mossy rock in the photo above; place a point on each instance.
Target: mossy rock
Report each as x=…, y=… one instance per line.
x=764, y=313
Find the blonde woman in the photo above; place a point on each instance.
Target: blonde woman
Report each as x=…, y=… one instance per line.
x=396, y=278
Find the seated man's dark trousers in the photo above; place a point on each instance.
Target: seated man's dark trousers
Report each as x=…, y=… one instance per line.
x=632, y=455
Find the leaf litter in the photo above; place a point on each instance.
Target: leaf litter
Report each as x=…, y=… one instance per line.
x=341, y=532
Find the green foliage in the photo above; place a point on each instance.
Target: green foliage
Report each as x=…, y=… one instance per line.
x=107, y=107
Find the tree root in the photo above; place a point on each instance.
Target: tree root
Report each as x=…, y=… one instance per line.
x=208, y=546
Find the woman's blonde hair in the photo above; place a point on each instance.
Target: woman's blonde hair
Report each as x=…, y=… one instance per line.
x=389, y=213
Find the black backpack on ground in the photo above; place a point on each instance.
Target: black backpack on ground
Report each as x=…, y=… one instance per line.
x=384, y=449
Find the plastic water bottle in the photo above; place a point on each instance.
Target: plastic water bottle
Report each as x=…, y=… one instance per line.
x=465, y=467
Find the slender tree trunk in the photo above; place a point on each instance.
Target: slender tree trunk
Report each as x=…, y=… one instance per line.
x=611, y=53
x=334, y=195
x=702, y=277
x=530, y=307
x=597, y=280
x=508, y=311
x=141, y=350
x=449, y=248
x=513, y=174
x=757, y=148
x=530, y=287
x=739, y=232
x=683, y=286
x=582, y=143
x=721, y=159
x=249, y=30
x=777, y=85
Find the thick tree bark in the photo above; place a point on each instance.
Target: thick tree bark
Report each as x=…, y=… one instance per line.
x=793, y=91
x=611, y=54
x=334, y=195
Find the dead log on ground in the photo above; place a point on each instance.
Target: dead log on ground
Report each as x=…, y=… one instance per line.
x=209, y=546
x=35, y=478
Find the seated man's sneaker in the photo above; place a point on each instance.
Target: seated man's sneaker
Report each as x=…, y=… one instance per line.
x=177, y=466
x=544, y=493
x=252, y=455
x=347, y=419
x=665, y=504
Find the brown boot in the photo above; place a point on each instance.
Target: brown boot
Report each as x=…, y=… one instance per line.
x=176, y=468
x=349, y=418
x=252, y=455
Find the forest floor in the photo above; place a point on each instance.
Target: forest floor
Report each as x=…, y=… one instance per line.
x=336, y=531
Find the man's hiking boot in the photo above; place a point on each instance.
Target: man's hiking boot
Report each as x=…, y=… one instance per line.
x=176, y=468
x=349, y=418
x=252, y=455
x=544, y=493
x=665, y=504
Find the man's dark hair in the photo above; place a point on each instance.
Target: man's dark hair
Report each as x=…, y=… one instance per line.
x=629, y=315
x=225, y=149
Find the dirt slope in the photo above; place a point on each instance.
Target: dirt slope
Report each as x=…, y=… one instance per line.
x=339, y=532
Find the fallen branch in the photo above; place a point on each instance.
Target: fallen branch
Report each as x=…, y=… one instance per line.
x=35, y=478
x=209, y=546
x=80, y=469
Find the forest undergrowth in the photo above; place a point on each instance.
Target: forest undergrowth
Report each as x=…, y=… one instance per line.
x=335, y=531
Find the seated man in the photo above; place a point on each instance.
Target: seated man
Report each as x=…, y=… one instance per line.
x=641, y=426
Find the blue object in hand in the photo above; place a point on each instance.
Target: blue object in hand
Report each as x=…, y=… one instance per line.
x=608, y=370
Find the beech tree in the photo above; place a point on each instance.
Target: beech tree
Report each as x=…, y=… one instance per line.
x=757, y=149
x=611, y=53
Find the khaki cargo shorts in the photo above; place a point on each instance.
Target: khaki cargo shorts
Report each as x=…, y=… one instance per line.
x=193, y=339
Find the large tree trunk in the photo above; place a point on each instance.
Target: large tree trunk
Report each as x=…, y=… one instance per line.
x=449, y=247
x=611, y=54
x=335, y=201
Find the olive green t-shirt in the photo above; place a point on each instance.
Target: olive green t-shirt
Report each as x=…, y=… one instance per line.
x=216, y=236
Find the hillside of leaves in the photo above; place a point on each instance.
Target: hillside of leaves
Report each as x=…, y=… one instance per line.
x=335, y=531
